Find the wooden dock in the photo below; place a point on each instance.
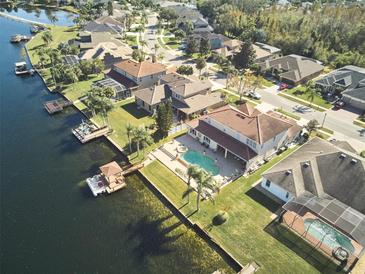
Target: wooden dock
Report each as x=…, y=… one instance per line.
x=86, y=132
x=56, y=106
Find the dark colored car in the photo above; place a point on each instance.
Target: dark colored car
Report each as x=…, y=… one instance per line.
x=339, y=104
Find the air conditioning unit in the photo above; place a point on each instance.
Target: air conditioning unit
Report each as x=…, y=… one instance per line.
x=288, y=172
x=353, y=161
x=306, y=164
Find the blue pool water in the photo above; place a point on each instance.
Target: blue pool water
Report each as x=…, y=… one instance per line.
x=196, y=158
x=332, y=238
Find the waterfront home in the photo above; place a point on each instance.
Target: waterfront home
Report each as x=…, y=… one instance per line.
x=104, y=46
x=137, y=74
x=348, y=81
x=105, y=24
x=323, y=188
x=189, y=98
x=292, y=69
x=244, y=133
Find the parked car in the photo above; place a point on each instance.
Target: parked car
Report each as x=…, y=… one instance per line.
x=339, y=104
x=255, y=95
x=283, y=86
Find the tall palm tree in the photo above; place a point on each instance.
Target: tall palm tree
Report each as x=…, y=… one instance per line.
x=192, y=172
x=205, y=182
x=129, y=129
x=143, y=44
x=47, y=37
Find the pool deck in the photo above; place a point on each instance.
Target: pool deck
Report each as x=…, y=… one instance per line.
x=170, y=155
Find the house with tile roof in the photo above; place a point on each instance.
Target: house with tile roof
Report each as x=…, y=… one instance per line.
x=323, y=187
x=292, y=69
x=143, y=74
x=244, y=132
x=188, y=97
x=348, y=81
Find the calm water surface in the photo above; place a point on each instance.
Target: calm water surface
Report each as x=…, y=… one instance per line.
x=50, y=223
x=42, y=15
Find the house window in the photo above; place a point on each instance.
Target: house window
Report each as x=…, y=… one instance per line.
x=206, y=140
x=287, y=195
x=267, y=183
x=192, y=131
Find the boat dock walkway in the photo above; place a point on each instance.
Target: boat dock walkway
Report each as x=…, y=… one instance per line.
x=56, y=105
x=86, y=132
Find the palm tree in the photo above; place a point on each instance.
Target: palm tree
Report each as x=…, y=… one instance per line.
x=200, y=64
x=47, y=37
x=311, y=94
x=129, y=129
x=143, y=44
x=138, y=135
x=205, y=182
x=192, y=172
x=257, y=82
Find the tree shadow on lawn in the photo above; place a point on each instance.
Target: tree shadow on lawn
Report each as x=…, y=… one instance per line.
x=257, y=195
x=133, y=110
x=152, y=236
x=302, y=248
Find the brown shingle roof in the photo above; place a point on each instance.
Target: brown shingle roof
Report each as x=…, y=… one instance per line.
x=121, y=79
x=140, y=69
x=259, y=128
x=186, y=87
x=110, y=169
x=223, y=139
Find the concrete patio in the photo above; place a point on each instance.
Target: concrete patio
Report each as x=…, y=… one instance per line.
x=170, y=155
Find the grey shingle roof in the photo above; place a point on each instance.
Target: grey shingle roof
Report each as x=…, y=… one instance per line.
x=331, y=171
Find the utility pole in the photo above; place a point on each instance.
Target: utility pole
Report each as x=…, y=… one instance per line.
x=324, y=119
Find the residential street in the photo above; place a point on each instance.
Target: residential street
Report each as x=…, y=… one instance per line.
x=338, y=121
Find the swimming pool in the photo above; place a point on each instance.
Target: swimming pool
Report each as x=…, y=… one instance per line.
x=196, y=158
x=330, y=236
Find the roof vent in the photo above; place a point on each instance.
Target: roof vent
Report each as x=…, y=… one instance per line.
x=342, y=156
x=306, y=164
x=288, y=172
x=353, y=161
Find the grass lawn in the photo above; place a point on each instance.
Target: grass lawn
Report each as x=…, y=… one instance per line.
x=287, y=113
x=59, y=34
x=75, y=91
x=233, y=99
x=124, y=112
x=301, y=93
x=172, y=42
x=267, y=83
x=247, y=234
x=359, y=123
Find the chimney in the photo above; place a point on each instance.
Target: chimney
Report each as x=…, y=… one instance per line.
x=353, y=161
x=342, y=156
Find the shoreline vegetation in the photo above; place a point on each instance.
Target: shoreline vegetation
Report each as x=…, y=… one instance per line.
x=249, y=234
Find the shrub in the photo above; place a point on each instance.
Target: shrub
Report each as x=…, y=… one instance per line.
x=220, y=218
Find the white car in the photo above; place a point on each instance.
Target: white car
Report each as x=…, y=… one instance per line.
x=255, y=95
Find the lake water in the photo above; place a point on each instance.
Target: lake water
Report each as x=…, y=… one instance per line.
x=42, y=15
x=50, y=222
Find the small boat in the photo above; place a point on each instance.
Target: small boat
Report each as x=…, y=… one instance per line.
x=36, y=28
x=21, y=69
x=17, y=38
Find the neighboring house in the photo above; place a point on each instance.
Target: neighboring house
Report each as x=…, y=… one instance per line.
x=143, y=74
x=80, y=3
x=187, y=14
x=188, y=97
x=292, y=69
x=244, y=133
x=263, y=52
x=216, y=41
x=94, y=26
x=323, y=186
x=104, y=46
x=349, y=81
x=120, y=91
